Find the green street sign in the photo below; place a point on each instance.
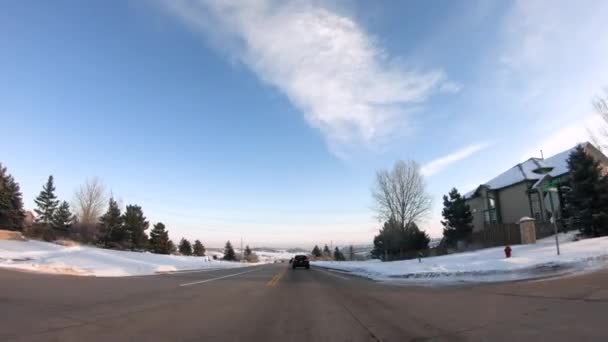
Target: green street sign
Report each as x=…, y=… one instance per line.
x=553, y=184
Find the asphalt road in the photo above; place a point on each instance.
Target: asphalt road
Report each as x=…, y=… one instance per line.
x=274, y=303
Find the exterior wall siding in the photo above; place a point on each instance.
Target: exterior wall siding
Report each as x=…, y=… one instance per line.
x=477, y=206
x=514, y=203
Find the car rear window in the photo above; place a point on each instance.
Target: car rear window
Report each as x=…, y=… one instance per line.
x=300, y=257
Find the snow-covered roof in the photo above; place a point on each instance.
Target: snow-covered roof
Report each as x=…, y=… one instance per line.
x=525, y=171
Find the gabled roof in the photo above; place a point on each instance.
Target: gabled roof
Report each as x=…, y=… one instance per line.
x=525, y=171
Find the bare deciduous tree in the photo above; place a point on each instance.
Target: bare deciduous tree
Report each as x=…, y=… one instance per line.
x=89, y=201
x=400, y=194
x=600, y=136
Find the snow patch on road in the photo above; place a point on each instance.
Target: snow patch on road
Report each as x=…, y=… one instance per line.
x=488, y=265
x=47, y=257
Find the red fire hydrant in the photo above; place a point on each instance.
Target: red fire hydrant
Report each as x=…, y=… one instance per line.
x=508, y=251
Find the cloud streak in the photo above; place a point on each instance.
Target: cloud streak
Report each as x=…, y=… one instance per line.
x=328, y=66
x=437, y=165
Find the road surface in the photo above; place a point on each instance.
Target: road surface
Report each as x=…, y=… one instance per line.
x=274, y=303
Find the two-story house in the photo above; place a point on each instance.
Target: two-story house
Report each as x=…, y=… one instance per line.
x=520, y=191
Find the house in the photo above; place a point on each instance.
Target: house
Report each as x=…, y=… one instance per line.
x=520, y=191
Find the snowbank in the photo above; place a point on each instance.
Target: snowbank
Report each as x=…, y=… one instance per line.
x=85, y=260
x=487, y=265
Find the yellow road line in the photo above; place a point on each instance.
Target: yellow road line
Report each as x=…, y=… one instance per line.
x=273, y=282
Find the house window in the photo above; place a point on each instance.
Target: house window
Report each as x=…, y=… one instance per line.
x=534, y=201
x=490, y=213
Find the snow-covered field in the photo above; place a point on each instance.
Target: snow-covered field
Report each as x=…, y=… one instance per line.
x=274, y=256
x=487, y=265
x=85, y=260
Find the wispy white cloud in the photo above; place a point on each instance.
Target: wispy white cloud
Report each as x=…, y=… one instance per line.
x=328, y=66
x=450, y=87
x=439, y=164
x=553, y=57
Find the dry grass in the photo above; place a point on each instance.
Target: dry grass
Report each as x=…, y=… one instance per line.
x=67, y=243
x=11, y=235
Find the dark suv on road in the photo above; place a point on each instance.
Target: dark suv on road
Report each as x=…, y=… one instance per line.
x=300, y=261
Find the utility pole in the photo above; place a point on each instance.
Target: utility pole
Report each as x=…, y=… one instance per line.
x=242, y=252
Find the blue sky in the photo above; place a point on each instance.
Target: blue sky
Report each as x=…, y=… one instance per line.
x=267, y=120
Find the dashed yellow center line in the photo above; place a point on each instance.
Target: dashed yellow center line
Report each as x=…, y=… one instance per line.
x=273, y=282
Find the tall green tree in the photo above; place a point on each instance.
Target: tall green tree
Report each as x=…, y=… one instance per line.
x=316, y=252
x=586, y=200
x=185, y=247
x=396, y=242
x=46, y=202
x=229, y=253
x=199, y=249
x=326, y=251
x=11, y=202
x=338, y=255
x=63, y=219
x=247, y=251
x=351, y=253
x=171, y=247
x=457, y=218
x=111, y=230
x=159, y=239
x=135, y=226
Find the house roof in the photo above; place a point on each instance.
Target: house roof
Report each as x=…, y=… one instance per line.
x=525, y=171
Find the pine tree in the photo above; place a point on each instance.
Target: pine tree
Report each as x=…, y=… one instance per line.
x=229, y=252
x=185, y=248
x=316, y=252
x=63, y=219
x=11, y=202
x=171, y=249
x=247, y=252
x=394, y=242
x=111, y=230
x=338, y=256
x=458, y=218
x=351, y=253
x=199, y=249
x=159, y=239
x=326, y=251
x=46, y=202
x=586, y=201
x=135, y=226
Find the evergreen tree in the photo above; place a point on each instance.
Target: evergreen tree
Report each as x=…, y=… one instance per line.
x=351, y=253
x=247, y=252
x=159, y=239
x=185, y=248
x=46, y=202
x=458, y=218
x=11, y=202
x=63, y=219
x=199, y=249
x=338, y=256
x=326, y=251
x=135, y=226
x=316, y=252
x=587, y=198
x=229, y=252
x=171, y=249
x=394, y=242
x=111, y=230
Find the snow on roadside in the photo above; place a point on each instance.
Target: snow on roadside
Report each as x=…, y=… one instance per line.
x=487, y=265
x=85, y=260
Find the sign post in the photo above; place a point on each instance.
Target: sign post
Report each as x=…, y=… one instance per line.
x=551, y=188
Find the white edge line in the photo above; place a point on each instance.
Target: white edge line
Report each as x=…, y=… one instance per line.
x=218, y=278
x=331, y=274
x=197, y=271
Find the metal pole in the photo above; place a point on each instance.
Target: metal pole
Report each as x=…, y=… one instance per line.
x=554, y=222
